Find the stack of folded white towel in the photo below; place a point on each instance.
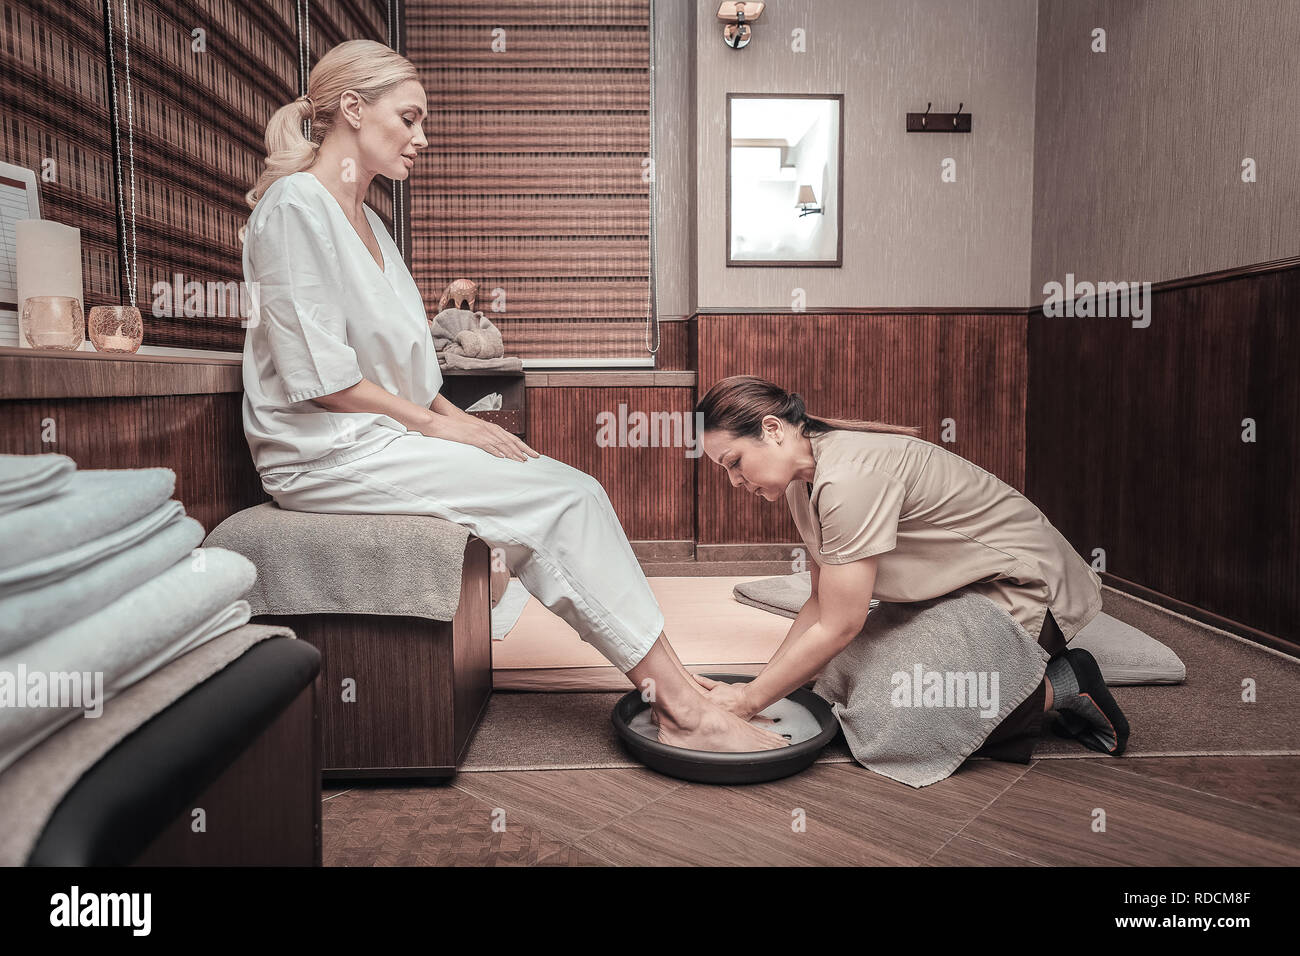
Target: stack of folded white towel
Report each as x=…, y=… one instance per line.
x=102, y=582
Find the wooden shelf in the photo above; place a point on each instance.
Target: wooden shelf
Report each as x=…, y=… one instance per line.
x=40, y=373
x=479, y=373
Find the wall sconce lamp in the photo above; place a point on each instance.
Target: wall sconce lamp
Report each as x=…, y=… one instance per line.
x=807, y=202
x=738, y=15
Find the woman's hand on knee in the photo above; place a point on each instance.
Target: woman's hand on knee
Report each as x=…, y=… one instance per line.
x=512, y=440
x=492, y=438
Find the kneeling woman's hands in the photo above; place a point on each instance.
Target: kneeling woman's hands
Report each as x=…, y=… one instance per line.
x=731, y=698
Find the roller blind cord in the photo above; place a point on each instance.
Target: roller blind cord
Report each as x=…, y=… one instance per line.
x=399, y=192
x=652, y=312
x=130, y=262
x=302, y=9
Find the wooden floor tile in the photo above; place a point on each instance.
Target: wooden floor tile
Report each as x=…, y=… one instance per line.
x=568, y=803
x=1047, y=817
x=571, y=856
x=963, y=851
x=1160, y=811
x=426, y=826
x=732, y=826
x=1269, y=783
x=900, y=821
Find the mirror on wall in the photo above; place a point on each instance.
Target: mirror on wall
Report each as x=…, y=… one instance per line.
x=784, y=176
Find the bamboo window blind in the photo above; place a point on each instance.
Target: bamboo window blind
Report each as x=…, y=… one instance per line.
x=198, y=106
x=535, y=180
x=54, y=120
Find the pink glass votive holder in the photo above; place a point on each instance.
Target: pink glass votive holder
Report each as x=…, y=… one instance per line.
x=53, y=322
x=116, y=328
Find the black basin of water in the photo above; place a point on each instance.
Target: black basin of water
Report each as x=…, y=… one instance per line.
x=704, y=766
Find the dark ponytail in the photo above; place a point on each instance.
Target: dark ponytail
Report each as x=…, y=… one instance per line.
x=738, y=404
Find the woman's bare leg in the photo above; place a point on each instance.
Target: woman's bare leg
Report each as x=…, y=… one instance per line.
x=685, y=716
x=677, y=663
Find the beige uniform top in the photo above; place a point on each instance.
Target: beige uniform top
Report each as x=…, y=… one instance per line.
x=939, y=523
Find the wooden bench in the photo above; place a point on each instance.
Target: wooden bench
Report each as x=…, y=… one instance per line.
x=400, y=696
x=402, y=617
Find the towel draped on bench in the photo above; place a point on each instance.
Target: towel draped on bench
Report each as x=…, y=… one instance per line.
x=311, y=563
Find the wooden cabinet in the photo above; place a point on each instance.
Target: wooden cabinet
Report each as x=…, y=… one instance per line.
x=464, y=387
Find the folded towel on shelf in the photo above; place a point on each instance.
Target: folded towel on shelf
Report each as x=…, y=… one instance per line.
x=187, y=605
x=882, y=692
x=32, y=788
x=483, y=342
x=468, y=340
x=27, y=479
x=511, y=363
x=471, y=334
x=91, y=505
x=55, y=567
x=33, y=613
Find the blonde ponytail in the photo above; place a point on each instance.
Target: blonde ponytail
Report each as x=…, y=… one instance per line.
x=287, y=149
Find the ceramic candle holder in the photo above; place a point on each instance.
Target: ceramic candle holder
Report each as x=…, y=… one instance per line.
x=53, y=322
x=116, y=328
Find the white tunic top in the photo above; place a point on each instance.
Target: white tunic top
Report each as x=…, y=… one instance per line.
x=325, y=316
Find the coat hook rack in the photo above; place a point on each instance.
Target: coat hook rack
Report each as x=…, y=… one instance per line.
x=928, y=122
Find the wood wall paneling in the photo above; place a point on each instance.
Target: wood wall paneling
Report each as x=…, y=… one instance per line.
x=651, y=488
x=908, y=369
x=200, y=437
x=677, y=348
x=1135, y=444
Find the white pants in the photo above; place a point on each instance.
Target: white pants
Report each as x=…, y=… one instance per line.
x=555, y=525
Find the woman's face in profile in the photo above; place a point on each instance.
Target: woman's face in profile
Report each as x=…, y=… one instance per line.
x=757, y=465
x=391, y=133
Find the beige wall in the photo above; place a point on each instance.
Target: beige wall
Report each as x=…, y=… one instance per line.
x=909, y=239
x=1137, y=152
x=674, y=149
x=1122, y=165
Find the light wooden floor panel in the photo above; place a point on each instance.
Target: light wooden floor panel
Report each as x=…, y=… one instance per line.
x=988, y=813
